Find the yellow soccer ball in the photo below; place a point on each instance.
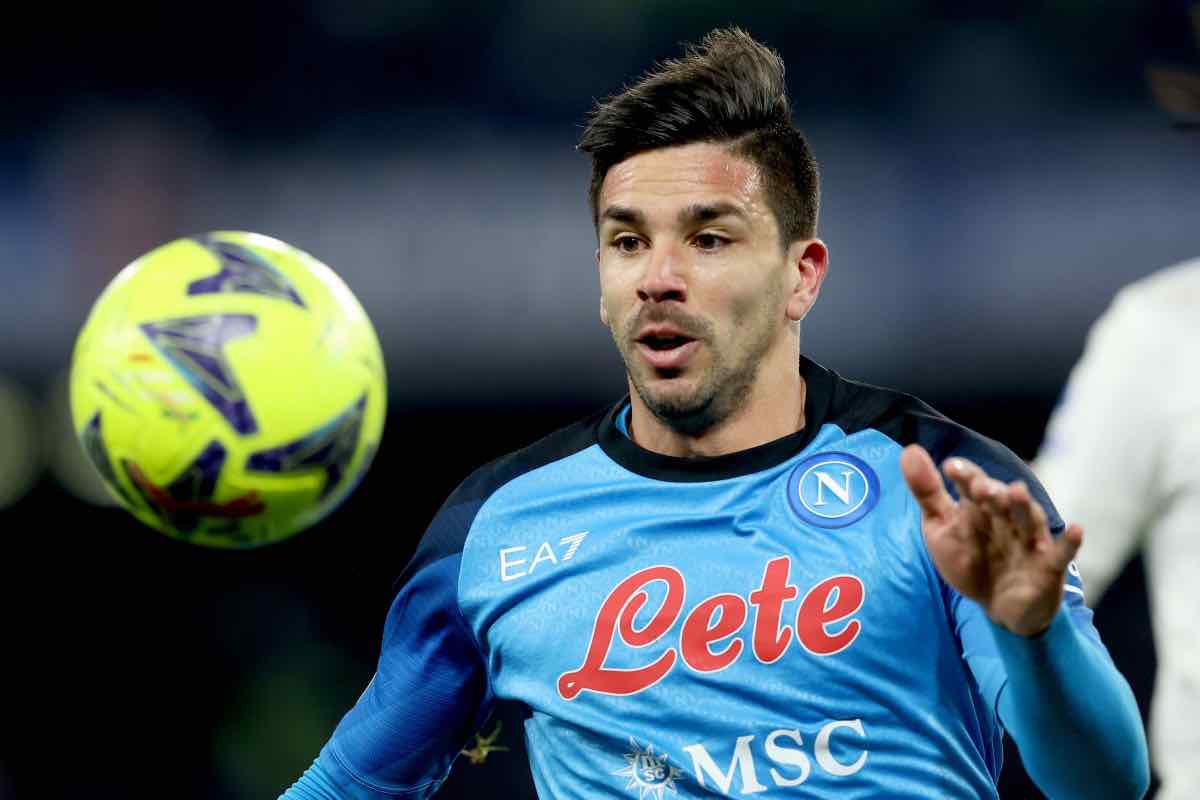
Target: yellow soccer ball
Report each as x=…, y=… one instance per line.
x=229, y=389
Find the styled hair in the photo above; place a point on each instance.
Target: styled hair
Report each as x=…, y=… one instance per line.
x=728, y=88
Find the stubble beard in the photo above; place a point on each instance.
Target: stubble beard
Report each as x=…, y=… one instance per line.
x=720, y=391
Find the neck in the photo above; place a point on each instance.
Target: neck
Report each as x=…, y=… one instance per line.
x=773, y=409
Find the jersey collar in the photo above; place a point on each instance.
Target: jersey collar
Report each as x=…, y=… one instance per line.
x=621, y=449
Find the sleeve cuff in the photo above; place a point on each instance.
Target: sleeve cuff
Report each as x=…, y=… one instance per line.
x=1059, y=643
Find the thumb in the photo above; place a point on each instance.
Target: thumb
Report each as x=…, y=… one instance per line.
x=1067, y=545
x=925, y=483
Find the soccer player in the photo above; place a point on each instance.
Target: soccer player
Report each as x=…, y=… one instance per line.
x=1123, y=456
x=748, y=576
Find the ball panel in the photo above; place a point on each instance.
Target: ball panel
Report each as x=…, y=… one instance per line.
x=242, y=270
x=195, y=346
x=97, y=452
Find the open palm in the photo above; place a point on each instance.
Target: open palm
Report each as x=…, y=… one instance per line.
x=993, y=545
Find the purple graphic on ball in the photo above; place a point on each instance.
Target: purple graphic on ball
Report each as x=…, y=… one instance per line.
x=188, y=499
x=196, y=347
x=97, y=452
x=331, y=448
x=243, y=270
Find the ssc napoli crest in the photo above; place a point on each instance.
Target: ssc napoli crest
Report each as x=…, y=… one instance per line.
x=832, y=490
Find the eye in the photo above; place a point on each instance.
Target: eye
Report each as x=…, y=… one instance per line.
x=709, y=241
x=626, y=244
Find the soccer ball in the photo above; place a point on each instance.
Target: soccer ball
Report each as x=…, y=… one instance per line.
x=229, y=389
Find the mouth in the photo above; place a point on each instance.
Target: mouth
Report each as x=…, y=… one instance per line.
x=666, y=348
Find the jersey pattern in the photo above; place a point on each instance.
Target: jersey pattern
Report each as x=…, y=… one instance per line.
x=763, y=623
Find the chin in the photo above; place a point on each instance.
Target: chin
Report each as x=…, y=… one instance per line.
x=675, y=391
x=684, y=407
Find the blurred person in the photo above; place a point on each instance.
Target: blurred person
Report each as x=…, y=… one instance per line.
x=119, y=178
x=1122, y=455
x=748, y=575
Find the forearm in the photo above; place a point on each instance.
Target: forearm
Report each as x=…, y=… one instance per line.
x=1072, y=715
x=327, y=779
x=314, y=784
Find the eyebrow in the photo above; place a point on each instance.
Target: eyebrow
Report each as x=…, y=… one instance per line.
x=697, y=212
x=630, y=216
x=707, y=212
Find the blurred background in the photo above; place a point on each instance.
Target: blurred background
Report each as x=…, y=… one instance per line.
x=993, y=172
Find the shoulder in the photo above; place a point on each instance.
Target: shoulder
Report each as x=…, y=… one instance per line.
x=1144, y=315
x=1146, y=337
x=1174, y=287
x=855, y=406
x=905, y=419
x=560, y=444
x=447, y=531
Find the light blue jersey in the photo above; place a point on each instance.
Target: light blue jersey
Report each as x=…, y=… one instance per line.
x=763, y=623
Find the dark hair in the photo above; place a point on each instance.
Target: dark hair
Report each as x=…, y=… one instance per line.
x=728, y=88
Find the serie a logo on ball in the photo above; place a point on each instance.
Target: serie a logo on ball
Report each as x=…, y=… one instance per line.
x=832, y=490
x=229, y=389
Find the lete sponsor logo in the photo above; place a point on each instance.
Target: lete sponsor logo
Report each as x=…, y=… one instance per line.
x=824, y=625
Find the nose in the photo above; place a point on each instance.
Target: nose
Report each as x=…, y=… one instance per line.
x=663, y=279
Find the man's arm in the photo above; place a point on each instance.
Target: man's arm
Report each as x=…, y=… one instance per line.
x=429, y=694
x=1060, y=698
x=1058, y=694
x=1105, y=441
x=315, y=784
x=1071, y=714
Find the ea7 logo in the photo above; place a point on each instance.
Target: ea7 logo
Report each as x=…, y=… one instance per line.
x=512, y=560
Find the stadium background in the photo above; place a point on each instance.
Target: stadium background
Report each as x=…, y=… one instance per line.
x=993, y=172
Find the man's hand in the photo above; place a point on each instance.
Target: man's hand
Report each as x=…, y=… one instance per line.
x=994, y=545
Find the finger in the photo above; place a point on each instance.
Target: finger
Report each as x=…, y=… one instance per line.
x=963, y=473
x=1022, y=514
x=1027, y=513
x=979, y=493
x=993, y=523
x=988, y=504
x=991, y=494
x=925, y=483
x=1066, y=546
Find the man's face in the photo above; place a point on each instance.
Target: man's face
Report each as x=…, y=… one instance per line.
x=695, y=283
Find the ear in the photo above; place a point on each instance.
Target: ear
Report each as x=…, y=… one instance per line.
x=603, y=310
x=809, y=261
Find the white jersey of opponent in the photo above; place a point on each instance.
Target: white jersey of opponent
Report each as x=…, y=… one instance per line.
x=1122, y=458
